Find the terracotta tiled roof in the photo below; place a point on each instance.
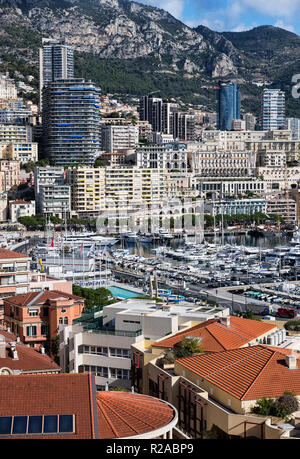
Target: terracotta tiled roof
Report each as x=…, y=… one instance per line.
x=5, y=253
x=25, y=298
x=19, y=202
x=247, y=373
x=123, y=414
x=29, y=360
x=51, y=394
x=217, y=337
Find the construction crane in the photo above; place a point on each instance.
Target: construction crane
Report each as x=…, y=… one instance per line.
x=207, y=87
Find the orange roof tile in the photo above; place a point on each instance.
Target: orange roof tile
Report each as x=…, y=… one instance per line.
x=25, y=298
x=29, y=360
x=247, y=373
x=22, y=395
x=123, y=414
x=217, y=337
x=5, y=253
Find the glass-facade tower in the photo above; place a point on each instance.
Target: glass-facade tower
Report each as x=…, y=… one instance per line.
x=228, y=105
x=71, y=122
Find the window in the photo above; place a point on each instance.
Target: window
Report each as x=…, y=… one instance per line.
x=93, y=350
x=31, y=330
x=66, y=320
x=119, y=373
x=125, y=353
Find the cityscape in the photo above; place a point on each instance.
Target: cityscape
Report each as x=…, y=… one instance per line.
x=149, y=243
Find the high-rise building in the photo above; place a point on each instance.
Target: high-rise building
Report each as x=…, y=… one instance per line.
x=229, y=105
x=157, y=112
x=273, y=109
x=294, y=125
x=250, y=121
x=56, y=61
x=71, y=122
x=183, y=126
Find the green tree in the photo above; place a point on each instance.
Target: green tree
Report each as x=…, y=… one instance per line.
x=187, y=347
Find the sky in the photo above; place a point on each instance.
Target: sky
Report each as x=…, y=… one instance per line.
x=233, y=15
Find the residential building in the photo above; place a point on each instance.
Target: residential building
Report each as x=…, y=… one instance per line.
x=68, y=406
x=183, y=126
x=95, y=189
x=14, y=133
x=119, y=138
x=113, y=159
x=100, y=341
x=71, y=122
x=272, y=109
x=238, y=125
x=218, y=387
x=235, y=206
x=3, y=207
x=171, y=156
x=214, y=335
x=52, y=193
x=20, y=208
x=157, y=112
x=36, y=316
x=56, y=61
x=294, y=125
x=223, y=163
x=18, y=359
x=228, y=105
x=250, y=121
x=283, y=207
x=9, y=175
x=8, y=90
x=22, y=152
x=221, y=188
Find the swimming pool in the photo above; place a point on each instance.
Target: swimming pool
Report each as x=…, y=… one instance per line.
x=118, y=292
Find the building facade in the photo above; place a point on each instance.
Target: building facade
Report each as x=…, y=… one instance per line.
x=71, y=122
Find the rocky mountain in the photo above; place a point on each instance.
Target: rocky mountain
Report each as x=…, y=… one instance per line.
x=128, y=47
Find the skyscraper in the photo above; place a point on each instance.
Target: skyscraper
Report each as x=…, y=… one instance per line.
x=157, y=112
x=273, y=109
x=228, y=105
x=71, y=122
x=56, y=61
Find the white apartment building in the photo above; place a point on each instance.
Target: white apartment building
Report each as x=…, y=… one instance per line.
x=103, y=347
x=21, y=208
x=223, y=187
x=52, y=194
x=13, y=133
x=285, y=208
x=172, y=156
x=8, y=90
x=237, y=140
x=23, y=151
x=223, y=163
x=272, y=109
x=119, y=137
x=293, y=124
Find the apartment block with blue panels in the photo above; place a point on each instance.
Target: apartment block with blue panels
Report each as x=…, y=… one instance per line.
x=71, y=115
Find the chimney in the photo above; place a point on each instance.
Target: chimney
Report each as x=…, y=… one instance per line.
x=106, y=386
x=13, y=350
x=225, y=321
x=291, y=361
x=42, y=349
x=132, y=389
